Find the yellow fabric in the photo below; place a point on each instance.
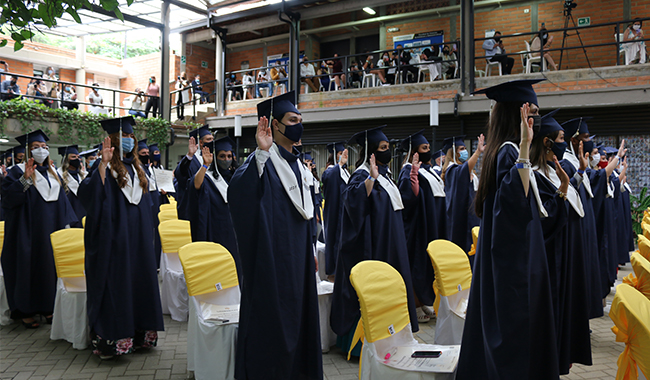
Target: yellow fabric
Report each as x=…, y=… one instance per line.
x=646, y=231
x=69, y=252
x=646, y=219
x=641, y=268
x=451, y=269
x=472, y=250
x=174, y=234
x=630, y=313
x=382, y=297
x=2, y=235
x=171, y=199
x=206, y=266
x=83, y=222
x=168, y=206
x=644, y=246
x=166, y=215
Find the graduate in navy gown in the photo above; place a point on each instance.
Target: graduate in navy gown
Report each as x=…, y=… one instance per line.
x=308, y=160
x=72, y=173
x=460, y=187
x=509, y=328
x=626, y=239
x=189, y=165
x=207, y=198
x=423, y=195
x=271, y=207
x=565, y=253
x=156, y=163
x=18, y=154
x=89, y=157
x=438, y=160
x=124, y=310
x=154, y=194
x=335, y=179
x=372, y=229
x=34, y=206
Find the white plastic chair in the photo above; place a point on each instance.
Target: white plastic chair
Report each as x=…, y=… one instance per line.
x=306, y=87
x=422, y=70
x=489, y=65
x=530, y=59
x=173, y=291
x=369, y=80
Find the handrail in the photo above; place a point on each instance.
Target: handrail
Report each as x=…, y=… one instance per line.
x=173, y=106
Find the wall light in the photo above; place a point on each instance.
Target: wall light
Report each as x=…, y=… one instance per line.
x=4, y=140
x=369, y=10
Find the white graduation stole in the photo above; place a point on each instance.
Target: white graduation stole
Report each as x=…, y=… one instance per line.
x=71, y=182
x=220, y=184
x=572, y=194
x=132, y=191
x=49, y=192
x=435, y=182
x=571, y=157
x=624, y=186
x=343, y=173
x=391, y=189
x=610, y=188
x=303, y=203
x=533, y=183
x=474, y=178
x=152, y=180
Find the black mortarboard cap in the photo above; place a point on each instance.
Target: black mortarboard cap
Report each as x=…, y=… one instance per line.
x=277, y=106
x=437, y=154
x=610, y=150
x=99, y=146
x=307, y=156
x=225, y=143
x=18, y=149
x=549, y=124
x=89, y=152
x=36, y=135
x=413, y=141
x=337, y=147
x=451, y=141
x=200, y=132
x=113, y=125
x=70, y=149
x=373, y=135
x=513, y=91
x=576, y=126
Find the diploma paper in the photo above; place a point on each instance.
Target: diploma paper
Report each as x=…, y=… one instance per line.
x=400, y=357
x=224, y=314
x=164, y=180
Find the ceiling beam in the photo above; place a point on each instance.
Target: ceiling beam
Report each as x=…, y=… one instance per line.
x=189, y=7
x=136, y=20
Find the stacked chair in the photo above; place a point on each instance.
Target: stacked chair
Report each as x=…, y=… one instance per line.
x=5, y=312
x=213, y=286
x=70, y=319
x=453, y=278
x=173, y=292
x=385, y=328
x=630, y=313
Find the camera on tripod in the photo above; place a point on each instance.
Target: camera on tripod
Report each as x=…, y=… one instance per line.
x=569, y=5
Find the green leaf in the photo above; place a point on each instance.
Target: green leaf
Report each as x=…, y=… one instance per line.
x=27, y=34
x=118, y=14
x=72, y=12
x=3, y=43
x=18, y=45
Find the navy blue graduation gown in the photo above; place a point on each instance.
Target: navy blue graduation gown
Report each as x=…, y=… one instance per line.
x=509, y=329
x=567, y=266
x=184, y=171
x=461, y=217
x=596, y=286
x=209, y=217
x=27, y=261
x=371, y=230
x=627, y=234
x=121, y=271
x=163, y=198
x=421, y=226
x=155, y=209
x=333, y=186
x=78, y=208
x=623, y=253
x=279, y=304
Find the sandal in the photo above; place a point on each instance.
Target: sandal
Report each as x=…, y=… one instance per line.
x=30, y=325
x=422, y=316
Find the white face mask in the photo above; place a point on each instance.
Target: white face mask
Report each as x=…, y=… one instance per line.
x=594, y=160
x=40, y=154
x=636, y=27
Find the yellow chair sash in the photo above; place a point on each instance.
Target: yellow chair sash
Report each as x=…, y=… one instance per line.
x=83, y=222
x=166, y=215
x=451, y=268
x=382, y=297
x=174, y=234
x=168, y=206
x=646, y=230
x=641, y=268
x=644, y=246
x=646, y=219
x=2, y=235
x=69, y=252
x=630, y=313
x=472, y=250
x=208, y=267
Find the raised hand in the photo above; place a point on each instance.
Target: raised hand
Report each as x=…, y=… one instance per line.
x=374, y=171
x=107, y=150
x=481, y=144
x=622, y=150
x=263, y=136
x=207, y=156
x=416, y=162
x=564, y=178
x=344, y=158
x=526, y=125
x=192, y=147
x=29, y=168
x=583, y=157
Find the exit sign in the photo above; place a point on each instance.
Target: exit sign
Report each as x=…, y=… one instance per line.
x=183, y=59
x=204, y=64
x=584, y=21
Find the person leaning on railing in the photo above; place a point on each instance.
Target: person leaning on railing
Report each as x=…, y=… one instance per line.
x=248, y=81
x=448, y=61
x=545, y=39
x=136, y=103
x=369, y=67
x=69, y=97
x=635, y=49
x=307, y=74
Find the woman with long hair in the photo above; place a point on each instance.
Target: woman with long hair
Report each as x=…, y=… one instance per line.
x=423, y=196
x=335, y=179
x=124, y=310
x=34, y=205
x=372, y=229
x=509, y=331
x=72, y=172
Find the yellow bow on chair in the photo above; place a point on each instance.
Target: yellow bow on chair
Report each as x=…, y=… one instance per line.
x=69, y=252
x=472, y=250
x=451, y=269
x=630, y=313
x=208, y=267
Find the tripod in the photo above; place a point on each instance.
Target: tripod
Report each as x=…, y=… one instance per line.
x=568, y=16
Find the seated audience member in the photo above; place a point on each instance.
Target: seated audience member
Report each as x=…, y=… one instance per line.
x=496, y=52
x=635, y=49
x=380, y=72
x=355, y=74
x=433, y=63
x=405, y=67
x=325, y=78
x=137, y=104
x=449, y=62
x=336, y=70
x=96, y=99
x=198, y=89
x=543, y=39
x=248, y=80
x=307, y=74
x=279, y=75
x=69, y=97
x=263, y=81
x=234, y=85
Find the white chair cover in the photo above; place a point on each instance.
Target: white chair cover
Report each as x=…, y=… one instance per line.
x=327, y=336
x=320, y=254
x=211, y=346
x=374, y=353
x=5, y=312
x=450, y=320
x=70, y=319
x=173, y=290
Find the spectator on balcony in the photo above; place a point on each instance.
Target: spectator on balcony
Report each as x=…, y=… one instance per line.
x=95, y=99
x=10, y=89
x=379, y=71
x=136, y=103
x=248, y=80
x=496, y=52
x=433, y=61
x=183, y=96
x=263, y=81
x=325, y=79
x=543, y=39
x=279, y=75
x=336, y=71
x=234, y=85
x=50, y=86
x=355, y=74
x=153, y=101
x=36, y=89
x=404, y=57
x=449, y=62
x=307, y=74
x=198, y=89
x=69, y=98
x=6, y=66
x=636, y=49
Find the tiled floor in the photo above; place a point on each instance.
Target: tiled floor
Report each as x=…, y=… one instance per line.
x=30, y=354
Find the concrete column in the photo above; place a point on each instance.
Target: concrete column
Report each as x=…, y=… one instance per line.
x=164, y=61
x=382, y=29
x=534, y=17
x=467, y=46
x=219, y=67
x=627, y=10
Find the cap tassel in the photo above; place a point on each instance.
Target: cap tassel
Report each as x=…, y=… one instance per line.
x=120, y=140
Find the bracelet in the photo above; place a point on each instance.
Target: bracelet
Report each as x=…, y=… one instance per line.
x=523, y=164
x=205, y=166
x=581, y=172
x=561, y=194
x=371, y=178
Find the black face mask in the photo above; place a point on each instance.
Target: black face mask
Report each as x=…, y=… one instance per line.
x=425, y=157
x=558, y=149
x=497, y=39
x=144, y=159
x=537, y=123
x=382, y=157
x=210, y=146
x=75, y=163
x=587, y=146
x=298, y=148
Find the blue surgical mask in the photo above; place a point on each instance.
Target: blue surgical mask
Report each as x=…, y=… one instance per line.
x=90, y=163
x=67, y=88
x=156, y=157
x=463, y=155
x=127, y=144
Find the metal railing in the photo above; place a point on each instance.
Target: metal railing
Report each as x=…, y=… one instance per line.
x=190, y=88
x=60, y=100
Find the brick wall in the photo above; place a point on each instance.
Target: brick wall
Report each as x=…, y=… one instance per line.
x=19, y=67
x=195, y=55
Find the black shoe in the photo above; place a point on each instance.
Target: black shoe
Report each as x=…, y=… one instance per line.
x=31, y=325
x=48, y=320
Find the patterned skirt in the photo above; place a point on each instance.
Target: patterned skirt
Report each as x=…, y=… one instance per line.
x=142, y=339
